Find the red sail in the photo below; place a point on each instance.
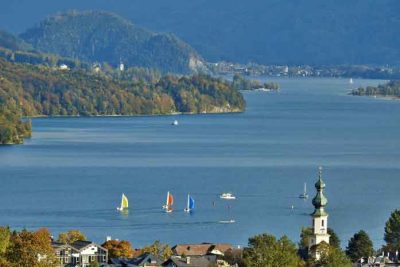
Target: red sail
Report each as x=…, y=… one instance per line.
x=170, y=200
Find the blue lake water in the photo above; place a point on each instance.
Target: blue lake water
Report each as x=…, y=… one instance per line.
x=71, y=174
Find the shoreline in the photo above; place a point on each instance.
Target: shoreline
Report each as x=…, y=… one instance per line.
x=132, y=115
x=380, y=97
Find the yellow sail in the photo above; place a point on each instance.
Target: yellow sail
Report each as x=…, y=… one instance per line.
x=124, y=202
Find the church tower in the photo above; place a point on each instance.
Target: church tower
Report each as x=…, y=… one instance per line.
x=319, y=216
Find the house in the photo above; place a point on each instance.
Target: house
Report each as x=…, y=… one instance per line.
x=80, y=254
x=177, y=261
x=63, y=67
x=201, y=249
x=64, y=253
x=144, y=260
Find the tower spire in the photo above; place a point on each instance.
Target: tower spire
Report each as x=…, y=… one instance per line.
x=319, y=216
x=319, y=201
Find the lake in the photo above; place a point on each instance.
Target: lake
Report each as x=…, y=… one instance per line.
x=72, y=172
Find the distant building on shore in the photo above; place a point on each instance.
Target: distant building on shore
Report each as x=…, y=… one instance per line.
x=319, y=218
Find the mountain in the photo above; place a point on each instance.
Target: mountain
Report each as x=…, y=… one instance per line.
x=106, y=37
x=266, y=32
x=12, y=42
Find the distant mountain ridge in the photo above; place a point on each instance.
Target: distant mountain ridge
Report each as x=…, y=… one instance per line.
x=289, y=32
x=96, y=36
x=12, y=42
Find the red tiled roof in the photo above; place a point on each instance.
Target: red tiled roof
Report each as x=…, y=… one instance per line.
x=199, y=249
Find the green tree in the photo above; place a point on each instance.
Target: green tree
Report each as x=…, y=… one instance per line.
x=392, y=231
x=328, y=256
x=71, y=236
x=266, y=251
x=360, y=245
x=94, y=264
x=306, y=234
x=334, y=240
x=332, y=257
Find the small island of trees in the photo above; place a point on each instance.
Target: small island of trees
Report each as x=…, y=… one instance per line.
x=389, y=89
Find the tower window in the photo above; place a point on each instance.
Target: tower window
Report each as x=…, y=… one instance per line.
x=323, y=223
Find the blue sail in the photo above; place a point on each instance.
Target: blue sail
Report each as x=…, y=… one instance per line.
x=191, y=203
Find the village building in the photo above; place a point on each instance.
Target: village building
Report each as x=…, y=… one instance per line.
x=319, y=218
x=79, y=254
x=63, y=67
x=144, y=260
x=204, y=254
x=177, y=261
x=201, y=249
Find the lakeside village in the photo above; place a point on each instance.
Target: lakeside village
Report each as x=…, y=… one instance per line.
x=344, y=71
x=319, y=246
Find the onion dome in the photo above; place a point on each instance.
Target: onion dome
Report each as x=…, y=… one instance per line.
x=320, y=201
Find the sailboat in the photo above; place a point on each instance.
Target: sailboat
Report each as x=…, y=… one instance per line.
x=304, y=195
x=170, y=201
x=351, y=81
x=124, y=203
x=190, y=204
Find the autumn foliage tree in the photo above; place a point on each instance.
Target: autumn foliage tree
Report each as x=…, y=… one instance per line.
x=71, y=236
x=158, y=249
x=119, y=249
x=31, y=249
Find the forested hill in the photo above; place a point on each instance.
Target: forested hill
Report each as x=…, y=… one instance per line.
x=105, y=37
x=45, y=91
x=311, y=32
x=30, y=90
x=11, y=42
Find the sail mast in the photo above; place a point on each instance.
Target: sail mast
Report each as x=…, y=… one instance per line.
x=167, y=202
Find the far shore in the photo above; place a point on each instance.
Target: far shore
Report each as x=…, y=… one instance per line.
x=131, y=115
x=382, y=97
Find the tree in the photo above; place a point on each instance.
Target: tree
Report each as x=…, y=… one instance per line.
x=117, y=249
x=331, y=257
x=233, y=257
x=360, y=245
x=94, y=264
x=334, y=240
x=31, y=249
x=71, y=236
x=266, y=251
x=305, y=235
x=392, y=231
x=160, y=250
x=5, y=235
